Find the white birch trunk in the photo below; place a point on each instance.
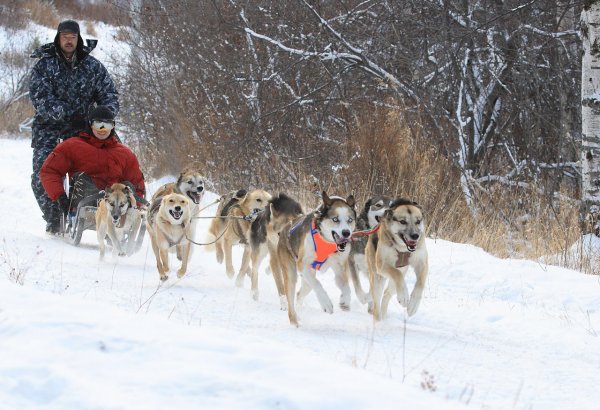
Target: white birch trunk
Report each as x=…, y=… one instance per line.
x=590, y=116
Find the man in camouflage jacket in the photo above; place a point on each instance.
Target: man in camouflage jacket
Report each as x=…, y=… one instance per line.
x=65, y=84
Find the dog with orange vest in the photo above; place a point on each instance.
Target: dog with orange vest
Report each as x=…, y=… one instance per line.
x=314, y=243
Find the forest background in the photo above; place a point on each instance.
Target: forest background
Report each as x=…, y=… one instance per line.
x=470, y=108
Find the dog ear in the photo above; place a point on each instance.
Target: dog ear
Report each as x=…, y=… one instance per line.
x=387, y=215
x=326, y=200
x=350, y=201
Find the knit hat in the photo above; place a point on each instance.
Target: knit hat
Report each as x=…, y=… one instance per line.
x=101, y=113
x=68, y=26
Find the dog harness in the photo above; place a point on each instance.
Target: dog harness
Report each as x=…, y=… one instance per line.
x=323, y=248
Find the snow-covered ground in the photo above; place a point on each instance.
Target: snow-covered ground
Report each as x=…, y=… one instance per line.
x=79, y=333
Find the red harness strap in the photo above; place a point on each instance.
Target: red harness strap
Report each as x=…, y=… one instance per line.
x=371, y=232
x=323, y=248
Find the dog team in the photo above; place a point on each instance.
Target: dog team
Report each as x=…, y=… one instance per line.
x=382, y=241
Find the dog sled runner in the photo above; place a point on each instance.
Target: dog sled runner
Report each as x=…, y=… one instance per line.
x=82, y=217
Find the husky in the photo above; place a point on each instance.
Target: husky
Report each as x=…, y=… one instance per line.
x=168, y=223
x=398, y=244
x=264, y=235
x=235, y=213
x=117, y=216
x=366, y=222
x=191, y=184
x=315, y=242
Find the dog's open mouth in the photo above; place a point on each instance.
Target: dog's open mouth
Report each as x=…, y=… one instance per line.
x=341, y=242
x=119, y=222
x=176, y=214
x=195, y=196
x=410, y=244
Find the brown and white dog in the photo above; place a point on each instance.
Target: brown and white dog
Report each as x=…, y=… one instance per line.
x=190, y=184
x=264, y=235
x=169, y=224
x=235, y=213
x=398, y=244
x=117, y=217
x=366, y=222
x=317, y=242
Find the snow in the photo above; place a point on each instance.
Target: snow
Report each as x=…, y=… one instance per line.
x=79, y=333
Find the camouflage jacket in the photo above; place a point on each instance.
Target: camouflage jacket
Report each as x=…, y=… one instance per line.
x=61, y=91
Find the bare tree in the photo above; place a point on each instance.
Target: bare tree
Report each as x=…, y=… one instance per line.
x=279, y=86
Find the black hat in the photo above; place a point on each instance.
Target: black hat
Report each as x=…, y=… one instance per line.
x=101, y=113
x=68, y=26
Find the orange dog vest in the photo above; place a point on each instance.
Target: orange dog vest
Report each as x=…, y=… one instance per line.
x=323, y=248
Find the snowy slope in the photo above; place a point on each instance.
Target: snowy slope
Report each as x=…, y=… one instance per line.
x=80, y=333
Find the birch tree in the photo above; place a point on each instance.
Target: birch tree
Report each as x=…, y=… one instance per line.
x=590, y=115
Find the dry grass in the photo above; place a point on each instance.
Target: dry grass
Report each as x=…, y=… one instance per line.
x=507, y=222
x=12, y=116
x=90, y=29
x=42, y=12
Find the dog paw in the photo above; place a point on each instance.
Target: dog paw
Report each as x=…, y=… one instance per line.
x=230, y=273
x=370, y=307
x=327, y=306
x=403, y=298
x=122, y=253
x=344, y=306
x=283, y=303
x=239, y=281
x=180, y=273
x=364, y=298
x=413, y=305
x=163, y=277
x=255, y=294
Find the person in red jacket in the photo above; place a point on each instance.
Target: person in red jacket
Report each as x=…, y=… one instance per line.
x=96, y=157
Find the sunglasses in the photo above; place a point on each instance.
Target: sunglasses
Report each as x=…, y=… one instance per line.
x=109, y=125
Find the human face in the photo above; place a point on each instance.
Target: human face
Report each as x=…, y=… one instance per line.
x=101, y=133
x=68, y=43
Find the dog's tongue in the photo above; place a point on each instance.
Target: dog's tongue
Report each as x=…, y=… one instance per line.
x=410, y=244
x=195, y=196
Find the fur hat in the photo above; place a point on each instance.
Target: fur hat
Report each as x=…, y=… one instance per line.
x=101, y=112
x=68, y=26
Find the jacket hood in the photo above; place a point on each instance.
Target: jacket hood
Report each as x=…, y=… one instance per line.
x=52, y=49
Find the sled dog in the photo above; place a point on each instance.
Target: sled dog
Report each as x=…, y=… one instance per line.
x=398, y=244
x=168, y=223
x=235, y=213
x=315, y=242
x=366, y=222
x=264, y=235
x=117, y=217
x=190, y=184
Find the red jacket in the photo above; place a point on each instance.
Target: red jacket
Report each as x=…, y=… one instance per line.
x=106, y=162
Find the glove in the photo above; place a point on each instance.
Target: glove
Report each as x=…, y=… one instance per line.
x=63, y=203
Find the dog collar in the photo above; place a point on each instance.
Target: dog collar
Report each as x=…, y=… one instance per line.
x=402, y=259
x=323, y=248
x=122, y=220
